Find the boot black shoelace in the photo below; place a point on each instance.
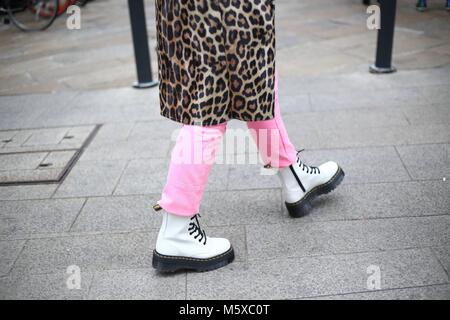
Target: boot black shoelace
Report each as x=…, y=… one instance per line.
x=304, y=167
x=194, y=227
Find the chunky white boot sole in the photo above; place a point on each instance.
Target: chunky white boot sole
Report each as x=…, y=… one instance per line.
x=300, y=208
x=165, y=263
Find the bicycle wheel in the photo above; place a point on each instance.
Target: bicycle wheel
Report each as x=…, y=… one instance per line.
x=32, y=15
x=81, y=3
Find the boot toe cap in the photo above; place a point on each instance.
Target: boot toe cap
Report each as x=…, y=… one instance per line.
x=329, y=168
x=220, y=245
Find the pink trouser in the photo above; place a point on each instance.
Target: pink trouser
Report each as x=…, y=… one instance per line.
x=194, y=154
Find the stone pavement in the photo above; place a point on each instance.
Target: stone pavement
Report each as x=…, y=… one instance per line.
x=391, y=133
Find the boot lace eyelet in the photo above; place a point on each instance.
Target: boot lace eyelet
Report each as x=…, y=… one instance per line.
x=306, y=168
x=194, y=227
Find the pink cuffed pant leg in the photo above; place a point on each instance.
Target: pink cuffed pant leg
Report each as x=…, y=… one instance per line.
x=191, y=162
x=194, y=154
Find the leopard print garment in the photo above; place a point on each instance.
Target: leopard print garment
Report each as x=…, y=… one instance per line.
x=216, y=60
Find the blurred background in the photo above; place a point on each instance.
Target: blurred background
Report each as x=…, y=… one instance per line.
x=83, y=155
x=321, y=38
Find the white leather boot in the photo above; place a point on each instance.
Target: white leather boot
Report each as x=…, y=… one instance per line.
x=182, y=244
x=302, y=183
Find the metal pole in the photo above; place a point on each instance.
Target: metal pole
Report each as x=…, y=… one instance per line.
x=383, y=62
x=140, y=42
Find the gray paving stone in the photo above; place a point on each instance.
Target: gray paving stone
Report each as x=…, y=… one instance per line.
x=251, y=176
x=362, y=165
x=405, y=38
x=27, y=192
x=236, y=141
x=361, y=81
x=89, y=252
x=384, y=200
x=237, y=237
x=137, y=284
x=143, y=176
x=52, y=286
x=155, y=130
x=345, y=119
x=15, y=138
x=129, y=96
x=86, y=111
x=294, y=103
x=118, y=150
x=58, y=159
x=436, y=133
x=112, y=214
x=24, y=218
x=326, y=60
x=426, y=161
x=34, y=167
x=30, y=161
x=113, y=131
x=9, y=251
x=92, y=178
x=428, y=59
x=329, y=101
x=77, y=136
x=7, y=137
x=106, y=251
x=35, y=176
x=432, y=114
x=443, y=255
x=437, y=292
x=321, y=138
x=297, y=238
x=312, y=276
x=241, y=207
x=392, y=98
x=46, y=137
x=218, y=178
x=21, y=111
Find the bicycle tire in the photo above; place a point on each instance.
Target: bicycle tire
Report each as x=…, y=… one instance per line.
x=26, y=28
x=81, y=3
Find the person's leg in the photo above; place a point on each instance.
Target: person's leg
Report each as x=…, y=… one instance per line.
x=182, y=243
x=301, y=183
x=272, y=138
x=191, y=162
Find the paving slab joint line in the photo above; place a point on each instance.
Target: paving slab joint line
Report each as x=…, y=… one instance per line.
x=406, y=118
x=185, y=286
x=17, y=258
x=245, y=244
x=310, y=103
x=403, y=163
x=285, y=221
x=77, y=157
x=68, y=126
x=88, y=293
x=373, y=291
x=125, y=167
x=333, y=254
x=433, y=252
x=78, y=214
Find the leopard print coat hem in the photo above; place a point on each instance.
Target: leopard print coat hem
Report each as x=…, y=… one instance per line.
x=216, y=60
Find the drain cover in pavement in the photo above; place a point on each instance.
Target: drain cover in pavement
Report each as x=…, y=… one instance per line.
x=34, y=156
